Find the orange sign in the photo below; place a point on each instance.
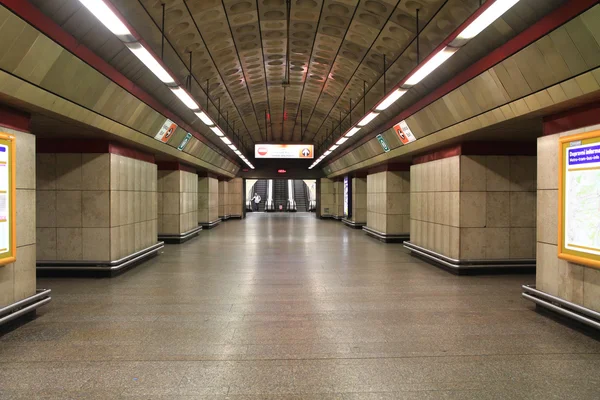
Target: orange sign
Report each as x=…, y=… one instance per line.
x=166, y=131
x=404, y=133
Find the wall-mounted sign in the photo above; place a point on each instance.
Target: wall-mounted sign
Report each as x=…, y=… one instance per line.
x=284, y=151
x=579, y=199
x=184, y=142
x=8, y=244
x=166, y=131
x=404, y=133
x=281, y=171
x=383, y=144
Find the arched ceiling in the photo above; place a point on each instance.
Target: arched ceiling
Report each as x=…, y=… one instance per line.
x=297, y=77
x=279, y=81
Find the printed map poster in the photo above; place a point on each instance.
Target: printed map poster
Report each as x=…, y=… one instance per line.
x=579, y=199
x=8, y=245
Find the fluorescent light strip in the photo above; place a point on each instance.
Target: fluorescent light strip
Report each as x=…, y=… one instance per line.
x=232, y=147
x=485, y=19
x=491, y=14
x=341, y=141
x=105, y=15
x=335, y=146
x=368, y=118
x=185, y=98
x=205, y=118
x=149, y=61
x=431, y=65
x=226, y=140
x=352, y=131
x=390, y=99
x=217, y=131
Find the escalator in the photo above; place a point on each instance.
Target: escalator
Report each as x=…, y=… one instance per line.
x=280, y=193
x=300, y=195
x=260, y=187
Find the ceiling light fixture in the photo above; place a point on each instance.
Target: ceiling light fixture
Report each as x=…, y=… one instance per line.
x=232, y=147
x=431, y=65
x=149, y=61
x=352, y=132
x=486, y=18
x=185, y=98
x=105, y=15
x=217, y=131
x=390, y=99
x=341, y=141
x=226, y=140
x=367, y=118
x=205, y=118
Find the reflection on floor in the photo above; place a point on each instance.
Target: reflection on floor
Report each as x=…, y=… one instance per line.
x=284, y=306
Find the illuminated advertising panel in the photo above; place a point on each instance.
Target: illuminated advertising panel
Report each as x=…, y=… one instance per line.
x=284, y=151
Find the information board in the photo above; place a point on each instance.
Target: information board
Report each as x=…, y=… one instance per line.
x=8, y=177
x=284, y=151
x=579, y=199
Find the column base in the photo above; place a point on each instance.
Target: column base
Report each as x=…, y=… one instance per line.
x=110, y=268
x=180, y=238
x=561, y=306
x=235, y=216
x=352, y=224
x=224, y=217
x=326, y=216
x=211, y=224
x=461, y=266
x=385, y=237
x=22, y=308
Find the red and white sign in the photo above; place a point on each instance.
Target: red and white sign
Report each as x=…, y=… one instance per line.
x=404, y=133
x=284, y=151
x=166, y=131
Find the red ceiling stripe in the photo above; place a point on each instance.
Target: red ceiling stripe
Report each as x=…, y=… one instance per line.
x=14, y=119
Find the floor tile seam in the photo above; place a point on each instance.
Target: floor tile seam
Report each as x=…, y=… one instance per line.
x=319, y=359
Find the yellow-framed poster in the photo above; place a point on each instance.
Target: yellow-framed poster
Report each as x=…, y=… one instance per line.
x=8, y=211
x=579, y=199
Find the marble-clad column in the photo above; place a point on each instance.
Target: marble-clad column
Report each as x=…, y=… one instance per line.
x=468, y=207
x=388, y=203
x=96, y=202
x=575, y=283
x=358, y=217
x=223, y=200
x=178, y=202
x=236, y=198
x=327, y=198
x=18, y=279
x=338, y=195
x=208, y=201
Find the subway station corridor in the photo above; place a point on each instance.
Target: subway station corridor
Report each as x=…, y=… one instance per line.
x=286, y=306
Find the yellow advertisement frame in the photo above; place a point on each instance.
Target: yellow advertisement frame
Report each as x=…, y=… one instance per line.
x=10, y=256
x=578, y=257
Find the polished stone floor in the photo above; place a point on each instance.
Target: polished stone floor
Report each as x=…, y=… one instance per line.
x=289, y=307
